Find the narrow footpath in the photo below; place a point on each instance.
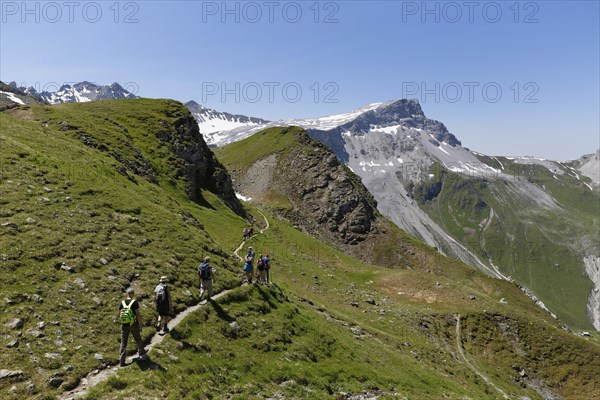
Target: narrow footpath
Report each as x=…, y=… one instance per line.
x=471, y=366
x=98, y=376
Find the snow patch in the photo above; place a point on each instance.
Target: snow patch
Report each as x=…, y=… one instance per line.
x=440, y=147
x=12, y=97
x=386, y=129
x=242, y=197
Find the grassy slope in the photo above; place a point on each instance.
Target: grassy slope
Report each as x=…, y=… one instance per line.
x=533, y=245
x=137, y=228
x=302, y=331
x=301, y=338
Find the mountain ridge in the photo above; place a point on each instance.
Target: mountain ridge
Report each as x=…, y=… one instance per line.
x=403, y=151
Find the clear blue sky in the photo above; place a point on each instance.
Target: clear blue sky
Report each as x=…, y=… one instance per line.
x=452, y=56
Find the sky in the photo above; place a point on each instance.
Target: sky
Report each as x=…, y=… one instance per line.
x=506, y=77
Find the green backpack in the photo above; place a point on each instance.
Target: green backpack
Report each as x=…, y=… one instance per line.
x=127, y=316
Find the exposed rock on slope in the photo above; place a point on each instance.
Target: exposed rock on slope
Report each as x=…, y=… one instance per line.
x=322, y=194
x=196, y=163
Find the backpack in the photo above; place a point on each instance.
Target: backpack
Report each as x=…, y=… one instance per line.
x=205, y=271
x=126, y=315
x=260, y=265
x=249, y=258
x=161, y=293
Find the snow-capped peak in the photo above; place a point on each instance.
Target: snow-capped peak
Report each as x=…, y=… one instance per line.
x=81, y=92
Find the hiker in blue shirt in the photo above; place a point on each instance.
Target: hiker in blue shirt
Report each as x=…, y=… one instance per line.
x=249, y=264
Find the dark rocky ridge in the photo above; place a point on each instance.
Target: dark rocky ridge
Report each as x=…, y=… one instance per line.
x=326, y=198
x=196, y=163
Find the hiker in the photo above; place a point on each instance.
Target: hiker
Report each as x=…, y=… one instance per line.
x=245, y=233
x=131, y=322
x=206, y=275
x=248, y=267
x=266, y=261
x=251, y=254
x=164, y=304
x=260, y=266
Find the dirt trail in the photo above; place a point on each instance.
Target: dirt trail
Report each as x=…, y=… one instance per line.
x=95, y=377
x=471, y=366
x=267, y=226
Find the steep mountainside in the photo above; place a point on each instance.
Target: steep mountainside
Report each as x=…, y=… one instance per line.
x=303, y=182
x=506, y=216
x=589, y=165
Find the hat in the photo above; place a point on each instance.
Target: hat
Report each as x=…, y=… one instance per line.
x=207, y=258
x=249, y=247
x=129, y=290
x=164, y=279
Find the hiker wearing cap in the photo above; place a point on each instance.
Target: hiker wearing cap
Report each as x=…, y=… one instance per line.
x=131, y=322
x=164, y=305
x=206, y=276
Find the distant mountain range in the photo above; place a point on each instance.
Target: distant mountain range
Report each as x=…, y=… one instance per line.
x=78, y=93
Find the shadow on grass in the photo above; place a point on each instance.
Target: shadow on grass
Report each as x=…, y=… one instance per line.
x=149, y=365
x=266, y=296
x=221, y=313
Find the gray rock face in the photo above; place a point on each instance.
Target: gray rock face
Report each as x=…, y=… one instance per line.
x=589, y=165
x=197, y=164
x=325, y=196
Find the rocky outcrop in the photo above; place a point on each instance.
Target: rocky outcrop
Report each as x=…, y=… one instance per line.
x=326, y=197
x=195, y=162
x=330, y=193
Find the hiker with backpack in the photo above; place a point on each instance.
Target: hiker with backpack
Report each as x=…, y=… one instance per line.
x=260, y=266
x=164, y=305
x=206, y=276
x=131, y=322
x=266, y=261
x=249, y=264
